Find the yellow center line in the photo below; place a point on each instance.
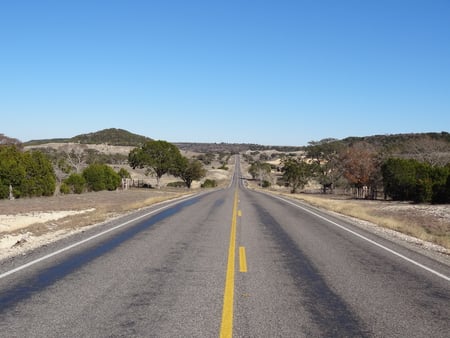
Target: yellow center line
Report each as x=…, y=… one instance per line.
x=226, y=328
x=242, y=259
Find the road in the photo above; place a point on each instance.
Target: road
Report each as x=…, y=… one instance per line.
x=231, y=262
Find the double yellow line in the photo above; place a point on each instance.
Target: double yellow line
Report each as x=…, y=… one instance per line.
x=226, y=328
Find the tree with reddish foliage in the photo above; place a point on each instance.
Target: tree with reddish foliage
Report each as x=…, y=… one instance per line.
x=362, y=169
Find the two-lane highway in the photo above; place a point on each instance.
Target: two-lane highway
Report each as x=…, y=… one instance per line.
x=229, y=262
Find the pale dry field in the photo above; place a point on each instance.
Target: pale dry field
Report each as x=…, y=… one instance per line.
x=28, y=223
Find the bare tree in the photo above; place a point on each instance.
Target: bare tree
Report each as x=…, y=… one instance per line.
x=76, y=157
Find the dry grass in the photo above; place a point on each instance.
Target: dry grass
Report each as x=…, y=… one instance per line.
x=107, y=205
x=426, y=222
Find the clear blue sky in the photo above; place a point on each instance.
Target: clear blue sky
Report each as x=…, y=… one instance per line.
x=269, y=72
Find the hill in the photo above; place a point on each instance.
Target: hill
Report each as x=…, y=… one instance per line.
x=401, y=143
x=232, y=148
x=111, y=136
x=429, y=147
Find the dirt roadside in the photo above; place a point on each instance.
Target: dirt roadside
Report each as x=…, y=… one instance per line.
x=29, y=223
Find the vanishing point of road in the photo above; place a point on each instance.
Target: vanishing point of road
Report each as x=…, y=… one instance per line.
x=228, y=262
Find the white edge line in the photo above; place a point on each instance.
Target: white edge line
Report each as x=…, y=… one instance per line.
x=447, y=278
x=19, y=268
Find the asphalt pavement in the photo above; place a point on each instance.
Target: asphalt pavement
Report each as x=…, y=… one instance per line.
x=231, y=262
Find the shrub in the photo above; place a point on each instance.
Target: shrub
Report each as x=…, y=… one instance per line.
x=177, y=184
x=411, y=180
x=76, y=183
x=101, y=177
x=265, y=184
x=123, y=173
x=441, y=192
x=30, y=174
x=64, y=189
x=209, y=184
x=423, y=191
x=40, y=179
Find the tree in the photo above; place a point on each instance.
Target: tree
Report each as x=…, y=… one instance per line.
x=101, y=177
x=399, y=178
x=28, y=174
x=361, y=168
x=189, y=170
x=441, y=190
x=75, y=157
x=260, y=170
x=74, y=183
x=12, y=171
x=411, y=180
x=159, y=157
x=325, y=155
x=123, y=173
x=40, y=178
x=296, y=173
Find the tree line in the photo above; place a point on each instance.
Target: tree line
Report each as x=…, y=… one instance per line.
x=330, y=163
x=34, y=174
x=364, y=169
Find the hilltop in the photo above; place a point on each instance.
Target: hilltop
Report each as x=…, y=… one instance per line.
x=111, y=136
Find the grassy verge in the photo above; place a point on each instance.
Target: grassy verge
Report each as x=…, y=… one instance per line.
x=405, y=218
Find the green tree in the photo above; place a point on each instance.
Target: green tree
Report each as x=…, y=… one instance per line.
x=159, y=157
x=75, y=182
x=123, y=173
x=29, y=174
x=101, y=177
x=411, y=180
x=12, y=171
x=441, y=185
x=399, y=178
x=296, y=173
x=260, y=170
x=40, y=179
x=188, y=170
x=325, y=155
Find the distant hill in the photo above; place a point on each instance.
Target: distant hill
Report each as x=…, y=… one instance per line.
x=406, y=143
x=233, y=148
x=429, y=147
x=111, y=136
x=401, y=141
